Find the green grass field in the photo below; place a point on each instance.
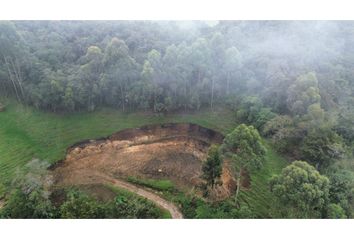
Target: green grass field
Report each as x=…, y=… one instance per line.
x=259, y=197
x=26, y=133
x=160, y=185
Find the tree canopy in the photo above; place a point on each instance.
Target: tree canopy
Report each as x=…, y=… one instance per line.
x=302, y=189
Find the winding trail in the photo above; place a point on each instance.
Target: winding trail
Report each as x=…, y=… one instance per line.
x=174, y=211
x=98, y=177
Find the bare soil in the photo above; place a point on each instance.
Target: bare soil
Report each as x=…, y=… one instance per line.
x=167, y=151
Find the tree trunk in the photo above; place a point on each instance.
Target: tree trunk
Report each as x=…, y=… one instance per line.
x=212, y=94
x=238, y=185
x=227, y=84
x=123, y=97
x=12, y=79
x=17, y=71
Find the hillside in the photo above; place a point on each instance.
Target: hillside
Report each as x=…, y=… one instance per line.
x=28, y=133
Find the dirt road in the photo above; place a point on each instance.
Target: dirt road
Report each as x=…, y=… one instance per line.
x=174, y=211
x=93, y=177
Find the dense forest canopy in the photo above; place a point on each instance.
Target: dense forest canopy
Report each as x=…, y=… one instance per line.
x=166, y=66
x=292, y=80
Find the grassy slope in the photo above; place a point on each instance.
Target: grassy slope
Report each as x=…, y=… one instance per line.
x=26, y=133
x=259, y=197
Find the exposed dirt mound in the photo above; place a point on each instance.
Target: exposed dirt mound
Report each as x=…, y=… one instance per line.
x=167, y=151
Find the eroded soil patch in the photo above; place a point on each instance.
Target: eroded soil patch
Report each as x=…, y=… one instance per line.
x=167, y=151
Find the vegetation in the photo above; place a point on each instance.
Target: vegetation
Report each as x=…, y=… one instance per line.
x=160, y=185
x=212, y=167
x=302, y=189
x=63, y=82
x=28, y=133
x=31, y=199
x=246, y=151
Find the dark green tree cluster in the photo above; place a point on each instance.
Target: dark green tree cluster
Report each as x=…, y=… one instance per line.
x=302, y=189
x=212, y=167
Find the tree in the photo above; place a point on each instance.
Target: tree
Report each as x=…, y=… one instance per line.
x=217, y=54
x=200, y=59
x=335, y=211
x=89, y=76
x=302, y=93
x=232, y=66
x=245, y=149
x=322, y=146
x=302, y=190
x=12, y=55
x=341, y=190
x=212, y=167
x=282, y=131
x=30, y=197
x=80, y=205
x=251, y=111
x=152, y=74
x=120, y=72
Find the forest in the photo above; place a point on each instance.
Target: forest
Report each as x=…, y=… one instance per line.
x=286, y=86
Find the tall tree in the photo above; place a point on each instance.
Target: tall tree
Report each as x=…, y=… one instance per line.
x=121, y=71
x=89, y=75
x=212, y=167
x=232, y=66
x=12, y=55
x=303, y=93
x=245, y=149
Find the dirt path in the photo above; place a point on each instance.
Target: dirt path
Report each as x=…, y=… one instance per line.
x=98, y=177
x=174, y=211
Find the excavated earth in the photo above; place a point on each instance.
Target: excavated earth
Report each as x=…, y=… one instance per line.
x=172, y=151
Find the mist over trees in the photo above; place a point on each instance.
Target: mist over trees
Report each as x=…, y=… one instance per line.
x=160, y=66
x=293, y=81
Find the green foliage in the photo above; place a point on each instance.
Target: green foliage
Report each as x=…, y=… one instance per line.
x=193, y=207
x=282, y=132
x=301, y=189
x=212, y=167
x=251, y=111
x=302, y=93
x=244, y=146
x=30, y=197
x=246, y=151
x=33, y=205
x=335, y=211
x=161, y=185
x=80, y=205
x=122, y=207
x=322, y=147
x=341, y=191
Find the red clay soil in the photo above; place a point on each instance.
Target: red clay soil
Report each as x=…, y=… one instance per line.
x=168, y=151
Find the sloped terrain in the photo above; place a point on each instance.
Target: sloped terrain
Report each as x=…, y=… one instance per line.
x=164, y=151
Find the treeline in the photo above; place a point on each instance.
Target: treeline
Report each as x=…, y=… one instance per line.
x=66, y=67
x=159, y=66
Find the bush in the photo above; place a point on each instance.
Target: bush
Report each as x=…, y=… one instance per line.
x=335, y=211
x=321, y=147
x=33, y=205
x=161, y=185
x=80, y=205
